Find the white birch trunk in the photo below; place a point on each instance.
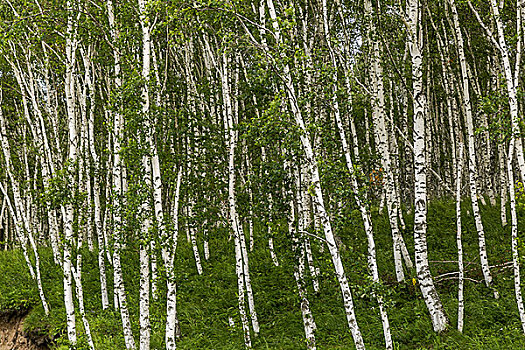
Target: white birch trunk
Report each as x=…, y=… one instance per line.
x=72, y=158
x=305, y=216
x=237, y=229
x=96, y=186
x=193, y=238
x=22, y=226
x=380, y=131
x=503, y=185
x=42, y=144
x=430, y=295
x=365, y=214
x=24, y=211
x=270, y=232
x=144, y=322
x=461, y=302
x=472, y=153
x=234, y=91
x=511, y=78
x=514, y=231
x=318, y=197
x=250, y=195
x=270, y=217
x=18, y=231
x=118, y=279
x=299, y=265
x=169, y=249
x=80, y=296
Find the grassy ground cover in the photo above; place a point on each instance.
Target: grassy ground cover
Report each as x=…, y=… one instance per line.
x=205, y=303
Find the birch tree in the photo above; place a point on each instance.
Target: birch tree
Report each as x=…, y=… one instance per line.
x=426, y=284
x=318, y=198
x=472, y=152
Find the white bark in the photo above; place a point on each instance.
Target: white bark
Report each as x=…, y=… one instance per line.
x=145, y=332
x=503, y=185
x=18, y=231
x=472, y=152
x=515, y=142
x=241, y=260
x=271, y=247
x=168, y=252
x=118, y=190
x=193, y=237
x=305, y=216
x=511, y=78
x=40, y=138
x=144, y=322
x=96, y=185
x=250, y=195
x=318, y=197
x=514, y=231
x=21, y=226
x=365, y=213
x=69, y=86
x=299, y=265
x=461, y=302
x=270, y=217
x=430, y=295
x=380, y=131
x=80, y=296
x=23, y=223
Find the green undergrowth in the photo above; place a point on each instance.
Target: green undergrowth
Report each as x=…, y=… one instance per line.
x=206, y=302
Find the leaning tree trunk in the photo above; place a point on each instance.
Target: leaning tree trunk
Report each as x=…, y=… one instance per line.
x=380, y=130
x=365, y=213
x=318, y=194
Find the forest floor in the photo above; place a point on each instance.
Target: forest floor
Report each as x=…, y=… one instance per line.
x=206, y=302
x=13, y=336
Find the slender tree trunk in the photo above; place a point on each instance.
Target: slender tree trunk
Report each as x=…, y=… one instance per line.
x=144, y=322
x=118, y=194
x=96, y=185
x=168, y=253
x=299, y=264
x=19, y=214
x=472, y=153
x=514, y=231
x=234, y=219
x=511, y=78
x=72, y=159
x=461, y=302
x=503, y=185
x=380, y=129
x=77, y=276
x=275, y=260
x=319, y=197
x=430, y=295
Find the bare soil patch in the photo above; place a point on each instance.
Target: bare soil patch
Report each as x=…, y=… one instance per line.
x=12, y=335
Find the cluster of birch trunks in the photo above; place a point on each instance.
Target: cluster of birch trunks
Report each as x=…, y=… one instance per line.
x=174, y=109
